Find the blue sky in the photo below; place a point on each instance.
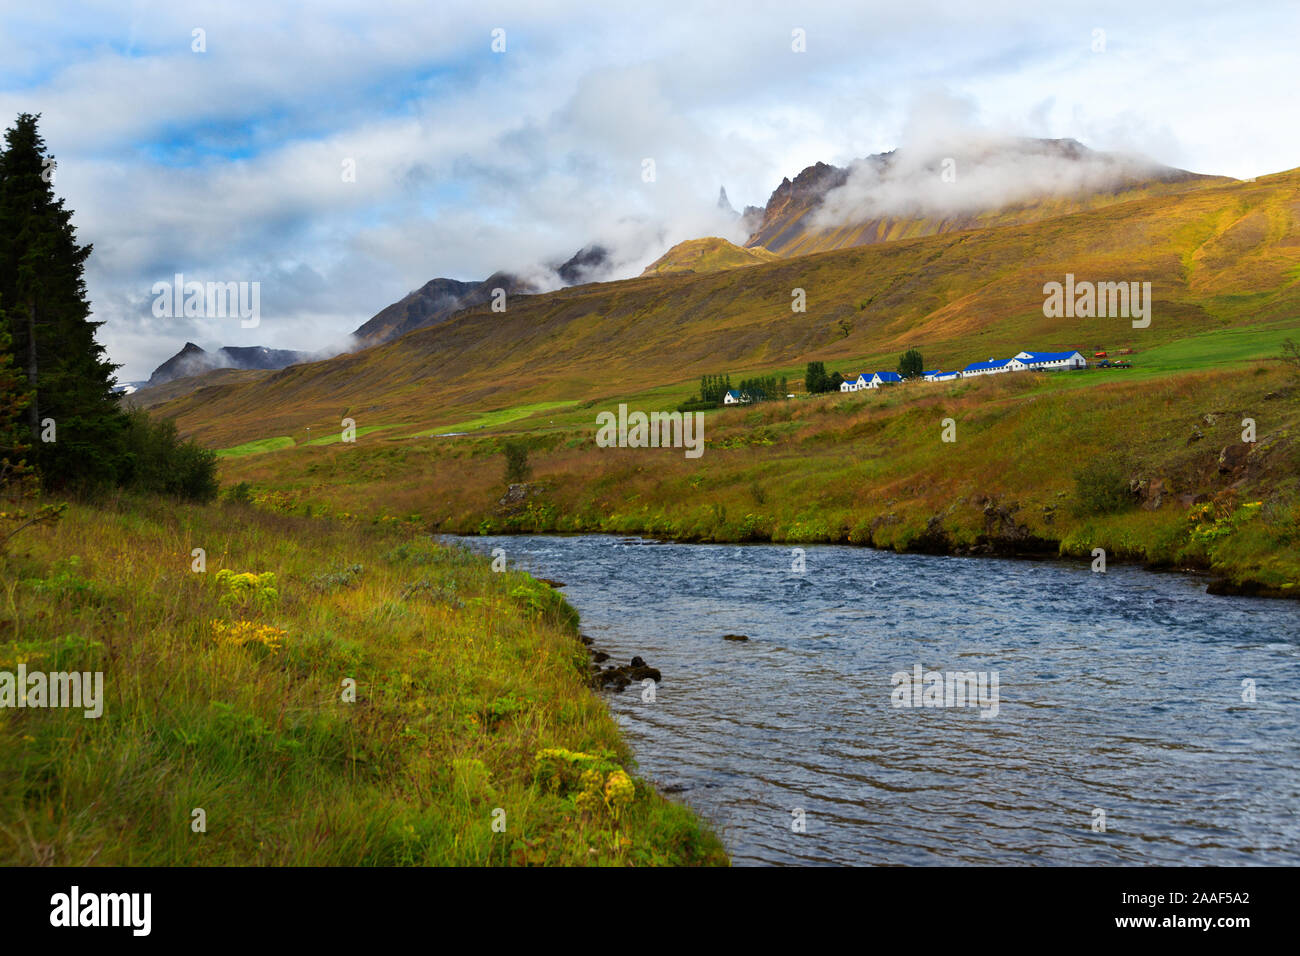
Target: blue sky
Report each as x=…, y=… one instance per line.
x=226, y=164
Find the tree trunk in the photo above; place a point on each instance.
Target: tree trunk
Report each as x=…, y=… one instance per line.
x=33, y=413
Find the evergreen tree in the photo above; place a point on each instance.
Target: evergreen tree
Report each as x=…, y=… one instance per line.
x=910, y=364
x=17, y=483
x=13, y=402
x=69, y=380
x=814, y=379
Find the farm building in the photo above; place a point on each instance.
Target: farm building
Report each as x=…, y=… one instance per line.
x=884, y=378
x=991, y=367
x=1051, y=361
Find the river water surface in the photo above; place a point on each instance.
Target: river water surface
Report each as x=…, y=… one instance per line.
x=1119, y=692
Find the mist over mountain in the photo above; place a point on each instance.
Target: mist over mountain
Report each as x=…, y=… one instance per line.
x=940, y=183
x=194, y=360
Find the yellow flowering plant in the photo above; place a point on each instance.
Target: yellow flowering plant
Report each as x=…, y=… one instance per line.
x=247, y=590
x=244, y=633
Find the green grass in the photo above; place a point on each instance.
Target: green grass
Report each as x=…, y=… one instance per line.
x=1220, y=348
x=257, y=447
x=337, y=435
x=469, y=687
x=496, y=418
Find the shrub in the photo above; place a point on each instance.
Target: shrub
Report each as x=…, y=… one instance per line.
x=156, y=460
x=1291, y=355
x=517, y=467
x=241, y=493
x=1101, y=487
x=440, y=592
x=342, y=578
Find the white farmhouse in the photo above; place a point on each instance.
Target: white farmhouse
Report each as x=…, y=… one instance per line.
x=1051, y=361
x=884, y=378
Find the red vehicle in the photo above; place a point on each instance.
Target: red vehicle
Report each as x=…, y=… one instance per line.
x=1099, y=355
x=1124, y=352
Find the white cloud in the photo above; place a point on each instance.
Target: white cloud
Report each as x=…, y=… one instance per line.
x=226, y=165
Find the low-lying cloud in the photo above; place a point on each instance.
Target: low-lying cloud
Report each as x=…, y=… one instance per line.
x=961, y=172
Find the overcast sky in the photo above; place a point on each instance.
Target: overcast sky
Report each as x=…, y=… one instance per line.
x=228, y=164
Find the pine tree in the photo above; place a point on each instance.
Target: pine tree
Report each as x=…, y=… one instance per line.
x=13, y=401
x=17, y=483
x=814, y=379
x=69, y=380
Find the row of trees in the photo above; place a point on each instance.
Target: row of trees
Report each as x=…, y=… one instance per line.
x=764, y=388
x=816, y=379
x=60, y=420
x=714, y=388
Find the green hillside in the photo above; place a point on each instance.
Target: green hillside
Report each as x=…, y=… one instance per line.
x=1218, y=257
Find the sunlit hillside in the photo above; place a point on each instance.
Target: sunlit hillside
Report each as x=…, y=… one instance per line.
x=1218, y=257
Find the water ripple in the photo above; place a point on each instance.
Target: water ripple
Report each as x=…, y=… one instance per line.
x=1119, y=692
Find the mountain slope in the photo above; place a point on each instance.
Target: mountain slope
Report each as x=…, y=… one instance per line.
x=1216, y=256
x=439, y=299
x=427, y=305
x=904, y=195
x=710, y=254
x=193, y=360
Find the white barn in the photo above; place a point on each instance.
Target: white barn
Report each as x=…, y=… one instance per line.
x=991, y=367
x=1051, y=361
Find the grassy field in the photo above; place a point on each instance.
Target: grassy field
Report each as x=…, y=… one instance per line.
x=873, y=468
x=258, y=447
x=501, y=416
x=337, y=434
x=227, y=691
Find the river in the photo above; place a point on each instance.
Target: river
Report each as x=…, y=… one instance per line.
x=1124, y=730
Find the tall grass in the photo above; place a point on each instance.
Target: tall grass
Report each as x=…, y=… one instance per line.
x=462, y=679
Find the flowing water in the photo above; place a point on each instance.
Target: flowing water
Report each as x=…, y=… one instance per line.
x=1119, y=692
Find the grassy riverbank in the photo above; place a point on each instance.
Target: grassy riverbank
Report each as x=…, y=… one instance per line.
x=228, y=693
x=872, y=468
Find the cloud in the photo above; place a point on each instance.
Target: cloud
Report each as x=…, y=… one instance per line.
x=948, y=165
x=227, y=165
